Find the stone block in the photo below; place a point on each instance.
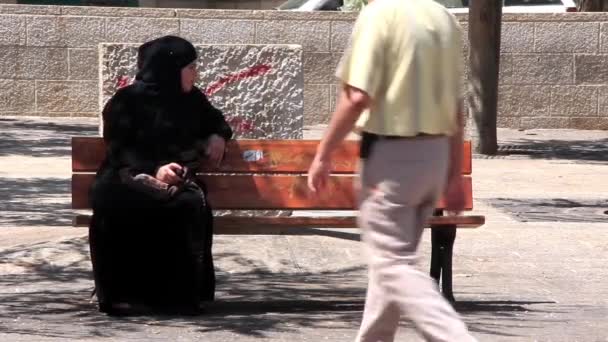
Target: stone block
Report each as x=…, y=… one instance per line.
x=120, y=30
x=117, y=12
x=567, y=37
x=83, y=64
x=334, y=92
x=591, y=69
x=312, y=35
x=517, y=37
x=508, y=122
x=604, y=37
x=600, y=123
x=316, y=104
x=505, y=75
x=518, y=101
x=33, y=63
x=320, y=67
x=219, y=14
x=545, y=122
x=30, y=9
x=340, y=34
x=218, y=31
x=259, y=88
x=12, y=30
x=543, y=69
x=314, y=15
x=603, y=101
x=65, y=31
x=574, y=101
x=67, y=96
x=18, y=96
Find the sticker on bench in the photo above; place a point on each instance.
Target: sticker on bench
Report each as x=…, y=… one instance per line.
x=253, y=155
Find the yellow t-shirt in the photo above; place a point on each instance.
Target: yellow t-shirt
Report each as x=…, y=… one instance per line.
x=407, y=55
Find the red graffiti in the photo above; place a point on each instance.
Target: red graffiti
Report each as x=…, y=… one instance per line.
x=122, y=82
x=240, y=125
x=241, y=75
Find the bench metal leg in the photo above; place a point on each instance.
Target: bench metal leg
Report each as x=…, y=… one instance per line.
x=442, y=240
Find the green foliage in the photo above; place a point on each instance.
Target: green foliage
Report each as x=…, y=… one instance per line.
x=353, y=5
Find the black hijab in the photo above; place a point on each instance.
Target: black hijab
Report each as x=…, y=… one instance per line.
x=159, y=64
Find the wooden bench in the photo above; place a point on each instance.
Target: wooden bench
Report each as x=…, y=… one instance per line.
x=271, y=175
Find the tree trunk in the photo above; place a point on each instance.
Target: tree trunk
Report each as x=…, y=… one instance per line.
x=592, y=5
x=484, y=37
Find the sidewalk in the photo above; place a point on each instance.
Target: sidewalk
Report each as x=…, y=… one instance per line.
x=535, y=271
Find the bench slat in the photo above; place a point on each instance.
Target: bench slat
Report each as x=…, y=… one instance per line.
x=264, y=192
x=289, y=225
x=275, y=156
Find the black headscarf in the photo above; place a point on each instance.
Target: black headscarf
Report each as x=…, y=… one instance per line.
x=160, y=62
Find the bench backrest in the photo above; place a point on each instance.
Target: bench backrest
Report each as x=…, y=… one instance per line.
x=257, y=174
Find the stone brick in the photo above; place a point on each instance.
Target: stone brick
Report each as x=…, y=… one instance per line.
x=591, y=69
x=333, y=96
x=67, y=96
x=118, y=12
x=603, y=101
x=543, y=69
x=545, y=122
x=505, y=75
x=315, y=15
x=219, y=14
x=218, y=31
x=574, y=101
x=12, y=30
x=83, y=64
x=604, y=37
x=312, y=35
x=17, y=96
x=33, y=63
x=320, y=67
x=65, y=31
x=600, y=123
x=340, y=34
x=567, y=37
x=517, y=100
x=316, y=104
x=139, y=29
x=508, y=122
x=517, y=37
x=30, y=9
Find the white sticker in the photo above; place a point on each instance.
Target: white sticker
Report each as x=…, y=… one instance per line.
x=253, y=155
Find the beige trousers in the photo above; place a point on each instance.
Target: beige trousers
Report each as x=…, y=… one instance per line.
x=400, y=185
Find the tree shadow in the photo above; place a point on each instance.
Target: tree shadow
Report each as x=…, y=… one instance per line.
x=553, y=210
x=36, y=138
x=595, y=151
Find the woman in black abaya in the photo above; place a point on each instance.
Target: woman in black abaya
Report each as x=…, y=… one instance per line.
x=149, y=246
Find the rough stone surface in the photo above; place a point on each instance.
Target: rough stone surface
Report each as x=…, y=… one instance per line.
x=33, y=63
x=83, y=64
x=117, y=12
x=219, y=14
x=517, y=101
x=316, y=103
x=218, y=31
x=127, y=30
x=267, y=103
x=591, y=69
x=340, y=34
x=545, y=122
x=320, y=67
x=508, y=121
x=506, y=69
x=604, y=37
x=312, y=35
x=17, y=96
x=29, y=9
x=603, y=101
x=543, y=69
x=517, y=37
x=567, y=37
x=316, y=15
x=333, y=96
x=590, y=123
x=12, y=30
x=67, y=96
x=574, y=101
x=65, y=31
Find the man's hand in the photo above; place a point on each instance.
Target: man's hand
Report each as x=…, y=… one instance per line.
x=216, y=147
x=168, y=174
x=318, y=174
x=454, y=195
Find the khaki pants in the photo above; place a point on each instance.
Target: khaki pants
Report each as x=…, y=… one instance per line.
x=401, y=181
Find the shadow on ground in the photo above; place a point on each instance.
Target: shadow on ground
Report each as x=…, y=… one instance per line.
x=38, y=138
x=580, y=150
x=39, y=299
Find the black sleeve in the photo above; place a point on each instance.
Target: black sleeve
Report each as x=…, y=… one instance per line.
x=119, y=129
x=214, y=121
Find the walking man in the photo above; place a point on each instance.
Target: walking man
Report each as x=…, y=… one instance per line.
x=401, y=91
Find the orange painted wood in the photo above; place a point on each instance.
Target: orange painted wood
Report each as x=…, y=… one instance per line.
x=265, y=156
x=263, y=192
x=296, y=224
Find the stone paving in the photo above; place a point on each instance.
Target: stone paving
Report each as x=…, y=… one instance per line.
x=534, y=272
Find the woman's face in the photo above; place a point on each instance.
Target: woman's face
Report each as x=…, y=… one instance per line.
x=189, y=76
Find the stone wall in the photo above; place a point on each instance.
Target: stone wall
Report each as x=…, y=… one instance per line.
x=554, y=67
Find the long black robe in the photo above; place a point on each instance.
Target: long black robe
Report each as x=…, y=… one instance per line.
x=146, y=250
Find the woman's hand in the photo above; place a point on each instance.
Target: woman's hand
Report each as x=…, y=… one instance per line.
x=216, y=146
x=169, y=173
